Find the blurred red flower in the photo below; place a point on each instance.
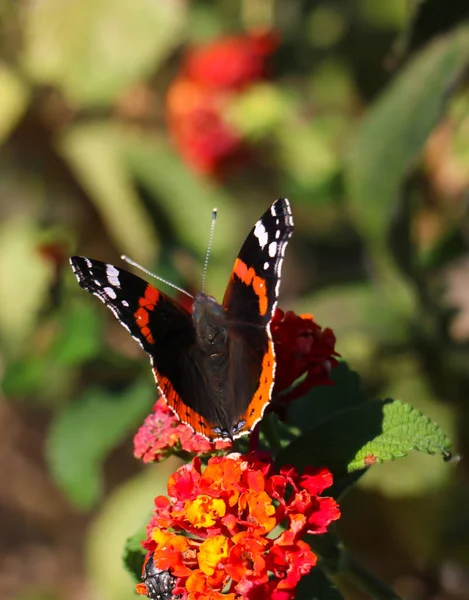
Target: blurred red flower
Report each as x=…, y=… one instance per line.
x=214, y=531
x=198, y=98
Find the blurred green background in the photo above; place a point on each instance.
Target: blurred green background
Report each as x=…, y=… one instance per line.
x=113, y=142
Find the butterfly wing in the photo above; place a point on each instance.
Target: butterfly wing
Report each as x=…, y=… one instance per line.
x=250, y=301
x=162, y=327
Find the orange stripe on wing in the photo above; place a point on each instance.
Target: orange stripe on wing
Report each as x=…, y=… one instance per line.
x=147, y=303
x=263, y=394
x=182, y=411
x=249, y=277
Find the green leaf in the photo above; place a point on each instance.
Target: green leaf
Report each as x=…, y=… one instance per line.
x=369, y=433
x=134, y=554
x=324, y=401
x=13, y=101
x=395, y=129
x=25, y=278
x=316, y=586
x=84, y=432
x=187, y=201
x=94, y=153
x=93, y=49
x=404, y=429
x=430, y=18
x=80, y=336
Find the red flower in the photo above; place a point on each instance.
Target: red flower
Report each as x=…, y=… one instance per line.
x=302, y=349
x=198, y=99
x=232, y=63
x=214, y=532
x=163, y=434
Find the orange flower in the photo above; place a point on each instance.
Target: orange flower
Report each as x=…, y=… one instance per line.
x=260, y=510
x=209, y=540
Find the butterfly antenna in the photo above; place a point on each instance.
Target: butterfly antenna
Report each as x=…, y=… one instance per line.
x=210, y=240
x=134, y=264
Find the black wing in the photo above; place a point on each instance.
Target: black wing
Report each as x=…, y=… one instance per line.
x=250, y=301
x=251, y=295
x=164, y=329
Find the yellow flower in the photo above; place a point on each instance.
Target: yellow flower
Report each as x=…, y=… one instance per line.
x=211, y=552
x=204, y=510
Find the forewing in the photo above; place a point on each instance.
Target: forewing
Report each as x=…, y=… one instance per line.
x=250, y=301
x=150, y=316
x=251, y=295
x=163, y=329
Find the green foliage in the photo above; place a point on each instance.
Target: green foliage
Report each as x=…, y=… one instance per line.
x=79, y=339
x=344, y=123
x=316, y=586
x=134, y=554
x=96, y=48
x=24, y=282
x=342, y=430
x=13, y=101
x=94, y=152
x=395, y=129
x=83, y=434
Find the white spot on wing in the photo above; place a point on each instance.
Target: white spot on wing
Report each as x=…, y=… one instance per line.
x=88, y=263
x=277, y=234
x=266, y=265
x=272, y=249
x=261, y=234
x=125, y=303
x=273, y=210
x=110, y=292
x=113, y=276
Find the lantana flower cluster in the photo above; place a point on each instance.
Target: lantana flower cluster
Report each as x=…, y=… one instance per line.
x=162, y=434
x=233, y=530
x=199, y=98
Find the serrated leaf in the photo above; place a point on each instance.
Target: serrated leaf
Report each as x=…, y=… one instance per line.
x=84, y=432
x=134, y=555
x=404, y=429
x=95, y=48
x=369, y=433
x=395, y=129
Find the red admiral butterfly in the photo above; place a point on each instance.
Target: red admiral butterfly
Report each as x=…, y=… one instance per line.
x=216, y=366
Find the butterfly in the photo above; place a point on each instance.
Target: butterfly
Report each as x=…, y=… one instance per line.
x=215, y=367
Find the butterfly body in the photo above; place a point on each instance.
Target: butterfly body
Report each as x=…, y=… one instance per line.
x=215, y=366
